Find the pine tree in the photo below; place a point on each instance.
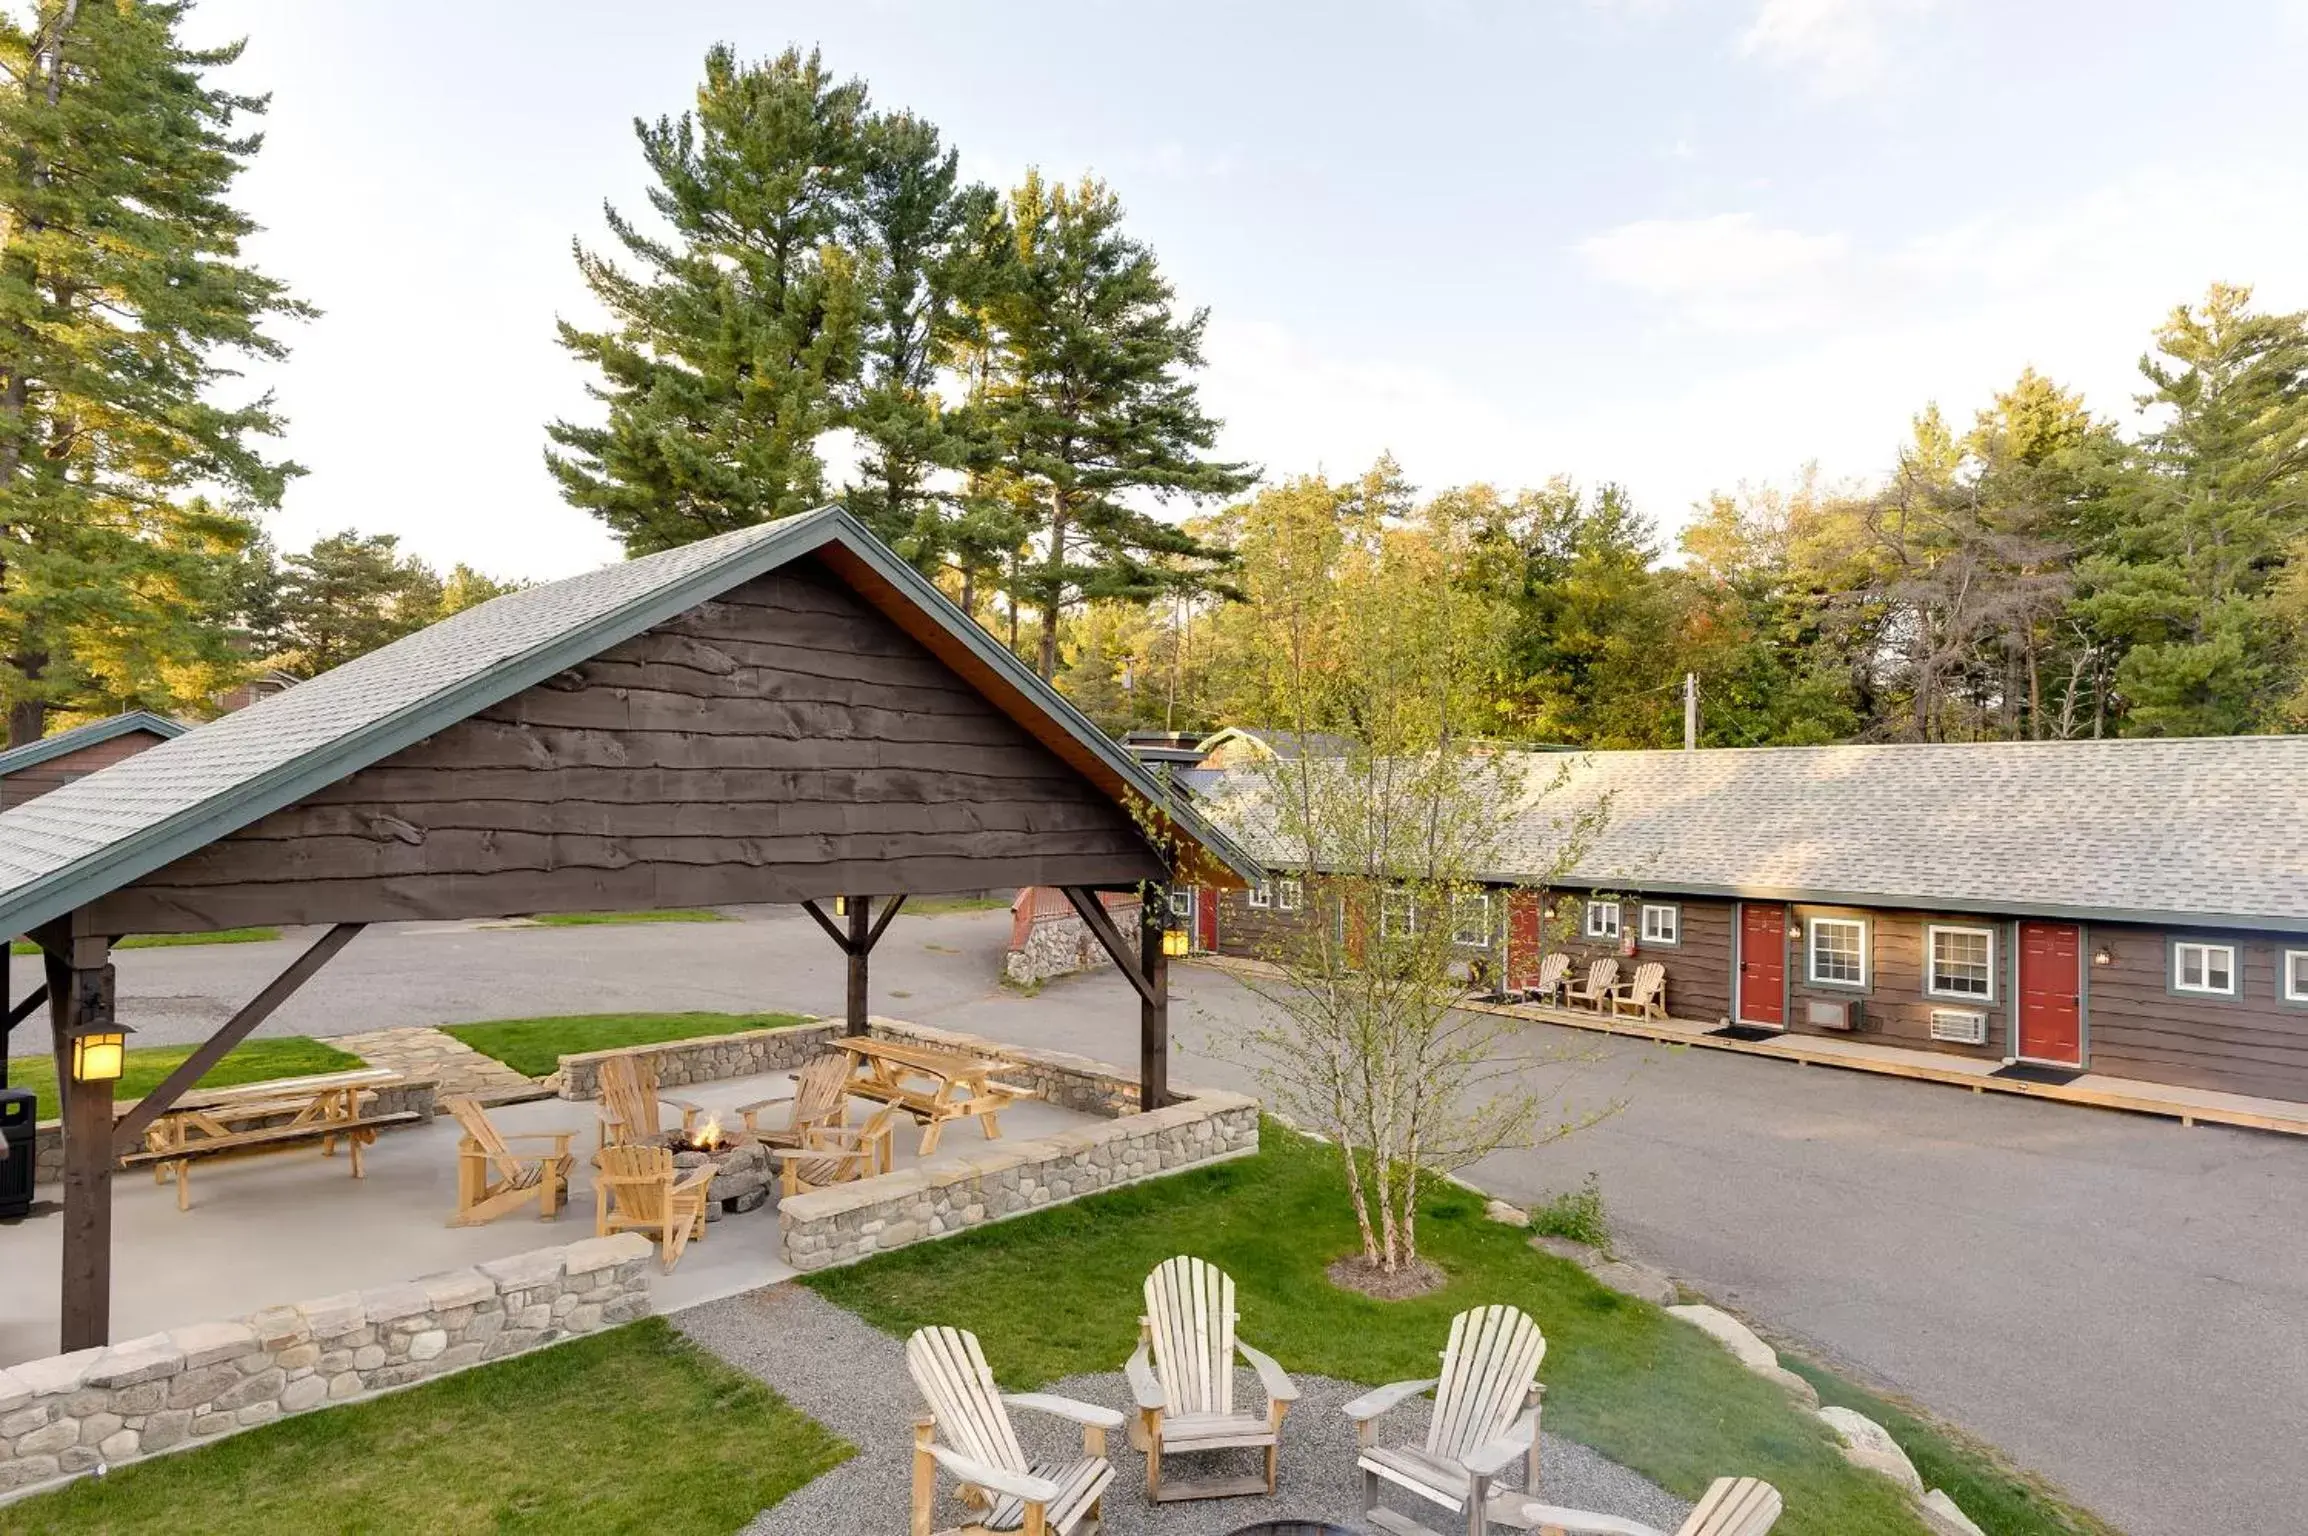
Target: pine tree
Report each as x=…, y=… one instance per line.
x=1089, y=404
x=930, y=247
x=734, y=339
x=350, y=594
x=123, y=306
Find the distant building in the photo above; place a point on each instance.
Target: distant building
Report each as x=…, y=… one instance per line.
x=30, y=771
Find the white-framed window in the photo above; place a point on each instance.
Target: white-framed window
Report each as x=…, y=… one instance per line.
x=1182, y=901
x=1602, y=920
x=1662, y=923
x=1471, y=919
x=1397, y=914
x=2294, y=979
x=1959, y=962
x=1838, y=951
x=1262, y=894
x=1287, y=896
x=2208, y=970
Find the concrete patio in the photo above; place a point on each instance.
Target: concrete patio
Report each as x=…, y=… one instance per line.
x=288, y=1226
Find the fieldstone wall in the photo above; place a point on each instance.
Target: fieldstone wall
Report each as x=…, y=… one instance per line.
x=1058, y=1077
x=415, y=1093
x=1048, y=939
x=70, y=1413
x=706, y=1059
x=849, y=1222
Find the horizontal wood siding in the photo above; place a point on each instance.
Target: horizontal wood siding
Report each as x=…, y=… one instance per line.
x=1893, y=1006
x=1698, y=969
x=33, y=782
x=2135, y=1027
x=1258, y=933
x=782, y=741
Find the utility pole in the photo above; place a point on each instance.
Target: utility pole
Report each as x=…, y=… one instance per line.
x=1690, y=711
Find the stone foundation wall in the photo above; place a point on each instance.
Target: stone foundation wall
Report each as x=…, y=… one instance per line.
x=849, y=1222
x=1058, y=1077
x=69, y=1413
x=416, y=1093
x=706, y=1059
x=1048, y=939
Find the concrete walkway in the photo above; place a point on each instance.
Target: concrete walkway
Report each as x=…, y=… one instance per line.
x=852, y=1379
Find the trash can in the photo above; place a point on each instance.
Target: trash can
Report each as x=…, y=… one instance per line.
x=18, y=1153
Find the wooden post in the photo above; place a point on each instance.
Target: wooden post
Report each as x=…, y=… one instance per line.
x=1154, y=1001
x=859, y=947
x=80, y=1001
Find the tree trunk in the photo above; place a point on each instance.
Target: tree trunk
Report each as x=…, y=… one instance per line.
x=27, y=722
x=1053, y=598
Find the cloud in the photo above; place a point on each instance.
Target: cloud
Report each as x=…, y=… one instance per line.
x=1727, y=272
x=1841, y=45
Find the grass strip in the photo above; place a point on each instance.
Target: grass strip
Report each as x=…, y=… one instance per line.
x=172, y=940
x=534, y=1047
x=252, y=1061
x=636, y=1429
x=604, y=919
x=1639, y=1386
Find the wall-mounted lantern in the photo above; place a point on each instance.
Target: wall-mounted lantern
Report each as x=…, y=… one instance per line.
x=2103, y=956
x=1175, y=942
x=99, y=1058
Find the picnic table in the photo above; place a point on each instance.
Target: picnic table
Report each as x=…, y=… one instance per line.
x=208, y=1122
x=931, y=1084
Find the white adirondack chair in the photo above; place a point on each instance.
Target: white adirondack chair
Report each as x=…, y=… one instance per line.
x=1182, y=1375
x=1486, y=1419
x=1733, y=1506
x=981, y=1451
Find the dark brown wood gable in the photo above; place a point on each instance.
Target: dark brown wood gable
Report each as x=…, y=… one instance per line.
x=784, y=741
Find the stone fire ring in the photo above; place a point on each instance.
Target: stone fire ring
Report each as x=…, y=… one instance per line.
x=745, y=1174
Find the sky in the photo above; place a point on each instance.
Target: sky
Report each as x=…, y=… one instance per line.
x=1683, y=245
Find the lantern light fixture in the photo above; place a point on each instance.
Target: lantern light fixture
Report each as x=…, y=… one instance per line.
x=99, y=1057
x=1174, y=942
x=2103, y=956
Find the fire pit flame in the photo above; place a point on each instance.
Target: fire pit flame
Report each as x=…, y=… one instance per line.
x=708, y=1135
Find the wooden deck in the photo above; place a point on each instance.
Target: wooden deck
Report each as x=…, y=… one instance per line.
x=2189, y=1106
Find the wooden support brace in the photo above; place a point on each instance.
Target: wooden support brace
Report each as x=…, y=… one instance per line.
x=825, y=922
x=130, y=1130
x=1100, y=922
x=888, y=912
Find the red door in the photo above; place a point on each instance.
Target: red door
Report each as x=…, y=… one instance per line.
x=2051, y=993
x=1762, y=964
x=1205, y=918
x=1523, y=944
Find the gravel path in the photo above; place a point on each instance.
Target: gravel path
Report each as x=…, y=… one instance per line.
x=852, y=1379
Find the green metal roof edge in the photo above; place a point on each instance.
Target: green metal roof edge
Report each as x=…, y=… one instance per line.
x=81, y=881
x=89, y=734
x=971, y=634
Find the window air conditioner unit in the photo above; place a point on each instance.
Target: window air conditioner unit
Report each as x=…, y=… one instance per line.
x=1959, y=1026
x=1831, y=1013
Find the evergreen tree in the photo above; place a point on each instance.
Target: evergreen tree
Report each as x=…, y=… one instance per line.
x=123, y=305
x=930, y=247
x=350, y=594
x=732, y=340
x=2201, y=528
x=1088, y=404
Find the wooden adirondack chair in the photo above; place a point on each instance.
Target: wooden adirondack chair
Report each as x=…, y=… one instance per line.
x=1596, y=994
x=981, y=1452
x=637, y=1189
x=492, y=1178
x=820, y=1097
x=1486, y=1418
x=836, y=1155
x=1733, y=1506
x=1182, y=1376
x=1646, y=995
x=630, y=1106
x=1552, y=970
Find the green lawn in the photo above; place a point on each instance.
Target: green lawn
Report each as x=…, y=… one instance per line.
x=534, y=1047
x=1621, y=1376
x=252, y=1061
x=939, y=906
x=594, y=919
x=172, y=940
x=631, y=1430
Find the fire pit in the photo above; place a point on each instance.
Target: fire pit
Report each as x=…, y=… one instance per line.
x=745, y=1173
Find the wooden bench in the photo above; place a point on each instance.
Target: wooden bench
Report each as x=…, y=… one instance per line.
x=215, y=1122
x=930, y=1084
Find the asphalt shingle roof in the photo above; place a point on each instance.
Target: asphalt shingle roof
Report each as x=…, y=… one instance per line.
x=2212, y=830
x=102, y=831
x=92, y=733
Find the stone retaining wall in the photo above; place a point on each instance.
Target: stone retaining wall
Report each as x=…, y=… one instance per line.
x=1047, y=937
x=415, y=1093
x=1058, y=1077
x=849, y=1222
x=706, y=1059
x=70, y=1413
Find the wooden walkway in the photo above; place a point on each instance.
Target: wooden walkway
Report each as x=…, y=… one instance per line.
x=2189, y=1106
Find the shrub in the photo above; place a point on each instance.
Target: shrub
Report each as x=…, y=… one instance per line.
x=1577, y=1214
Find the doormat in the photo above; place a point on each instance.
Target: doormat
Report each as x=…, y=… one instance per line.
x=1747, y=1032
x=2029, y=1072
